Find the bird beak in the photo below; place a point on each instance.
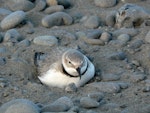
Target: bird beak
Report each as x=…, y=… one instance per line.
x=79, y=71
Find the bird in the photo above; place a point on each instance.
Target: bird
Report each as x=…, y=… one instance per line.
x=71, y=66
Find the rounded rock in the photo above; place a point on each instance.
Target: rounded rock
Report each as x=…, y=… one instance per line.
x=53, y=9
x=96, y=96
x=19, y=106
x=87, y=102
x=5, y=11
x=51, y=2
x=124, y=38
x=65, y=3
x=65, y=101
x=106, y=37
x=117, y=56
x=110, y=77
x=46, y=40
x=24, y=5
x=57, y=19
x=105, y=3
x=110, y=19
x=92, y=22
x=12, y=35
x=12, y=20
x=40, y=5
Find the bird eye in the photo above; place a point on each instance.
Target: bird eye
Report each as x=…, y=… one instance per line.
x=69, y=62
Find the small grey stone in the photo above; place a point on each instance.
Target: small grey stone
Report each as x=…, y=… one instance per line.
x=4, y=11
x=105, y=3
x=136, y=44
x=3, y=50
x=94, y=34
x=110, y=77
x=147, y=37
x=96, y=96
x=124, y=38
x=54, y=108
x=12, y=20
x=19, y=106
x=65, y=101
x=40, y=5
x=130, y=31
x=137, y=77
x=23, y=5
x=130, y=1
x=106, y=37
x=57, y=19
x=53, y=9
x=110, y=19
x=12, y=35
x=24, y=43
x=123, y=85
x=46, y=40
x=87, y=102
x=117, y=43
x=3, y=84
x=92, y=22
x=74, y=109
x=109, y=106
x=2, y=61
x=117, y=56
x=108, y=87
x=1, y=38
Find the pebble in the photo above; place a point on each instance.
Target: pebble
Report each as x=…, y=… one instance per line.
x=97, y=96
x=87, y=102
x=19, y=106
x=24, y=43
x=130, y=31
x=65, y=3
x=124, y=38
x=2, y=61
x=106, y=37
x=51, y=2
x=110, y=19
x=94, y=34
x=24, y=5
x=108, y=87
x=130, y=1
x=105, y=3
x=12, y=20
x=117, y=56
x=54, y=108
x=123, y=85
x=53, y=9
x=71, y=88
x=109, y=106
x=74, y=109
x=3, y=84
x=64, y=101
x=137, y=77
x=110, y=77
x=40, y=5
x=92, y=22
x=12, y=35
x=147, y=37
x=136, y=44
x=57, y=19
x=46, y=40
x=5, y=11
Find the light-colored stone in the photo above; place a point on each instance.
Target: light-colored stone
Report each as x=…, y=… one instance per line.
x=87, y=102
x=53, y=9
x=40, y=5
x=57, y=19
x=106, y=37
x=137, y=77
x=5, y=11
x=108, y=87
x=110, y=77
x=105, y=3
x=92, y=22
x=12, y=20
x=147, y=37
x=96, y=96
x=46, y=40
x=51, y=2
x=19, y=106
x=124, y=38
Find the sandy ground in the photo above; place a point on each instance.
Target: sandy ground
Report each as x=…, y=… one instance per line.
x=19, y=74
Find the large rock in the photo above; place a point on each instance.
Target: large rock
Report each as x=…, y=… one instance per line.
x=57, y=19
x=12, y=20
x=19, y=106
